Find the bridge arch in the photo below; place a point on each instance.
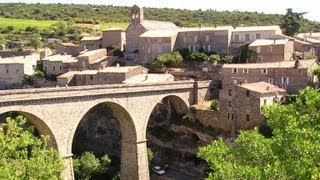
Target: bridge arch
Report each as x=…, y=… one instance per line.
x=181, y=105
x=39, y=124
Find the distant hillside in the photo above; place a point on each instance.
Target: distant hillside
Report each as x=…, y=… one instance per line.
x=98, y=13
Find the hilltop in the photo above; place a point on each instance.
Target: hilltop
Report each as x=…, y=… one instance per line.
x=108, y=13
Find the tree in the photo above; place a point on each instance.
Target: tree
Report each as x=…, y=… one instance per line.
x=214, y=58
x=292, y=152
x=2, y=42
x=24, y=155
x=35, y=41
x=88, y=165
x=227, y=59
x=168, y=60
x=291, y=22
x=198, y=57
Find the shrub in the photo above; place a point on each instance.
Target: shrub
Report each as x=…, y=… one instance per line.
x=214, y=105
x=168, y=60
x=316, y=71
x=214, y=58
x=198, y=57
x=117, y=52
x=227, y=59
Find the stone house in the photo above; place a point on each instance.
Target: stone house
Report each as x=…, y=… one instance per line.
x=13, y=69
x=290, y=75
x=240, y=104
x=91, y=59
x=246, y=35
x=113, y=37
x=275, y=50
x=155, y=42
x=313, y=38
x=69, y=48
x=91, y=42
x=139, y=26
x=58, y=64
x=108, y=75
x=303, y=49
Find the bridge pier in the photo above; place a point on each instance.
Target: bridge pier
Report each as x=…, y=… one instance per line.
x=134, y=160
x=67, y=173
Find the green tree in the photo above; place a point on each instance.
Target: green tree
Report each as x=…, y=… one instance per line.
x=2, y=42
x=227, y=59
x=150, y=154
x=214, y=58
x=35, y=41
x=24, y=155
x=168, y=60
x=88, y=165
x=291, y=22
x=292, y=152
x=198, y=57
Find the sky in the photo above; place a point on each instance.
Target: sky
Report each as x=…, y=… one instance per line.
x=266, y=6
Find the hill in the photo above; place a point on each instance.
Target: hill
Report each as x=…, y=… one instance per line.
x=117, y=14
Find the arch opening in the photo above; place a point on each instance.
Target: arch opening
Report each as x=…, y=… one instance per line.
x=171, y=139
x=40, y=126
x=101, y=131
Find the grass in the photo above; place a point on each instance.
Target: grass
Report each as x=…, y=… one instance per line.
x=122, y=26
x=23, y=23
x=44, y=24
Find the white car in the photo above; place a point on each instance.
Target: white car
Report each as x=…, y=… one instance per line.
x=158, y=170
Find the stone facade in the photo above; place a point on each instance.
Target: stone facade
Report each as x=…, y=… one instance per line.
x=91, y=59
x=273, y=50
x=69, y=48
x=53, y=113
x=58, y=64
x=12, y=70
x=113, y=37
x=290, y=75
x=240, y=105
x=91, y=43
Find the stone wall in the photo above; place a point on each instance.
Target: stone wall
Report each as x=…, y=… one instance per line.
x=5, y=54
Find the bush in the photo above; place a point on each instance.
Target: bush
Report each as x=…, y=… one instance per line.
x=168, y=60
x=316, y=71
x=227, y=59
x=214, y=58
x=88, y=165
x=117, y=52
x=214, y=105
x=198, y=57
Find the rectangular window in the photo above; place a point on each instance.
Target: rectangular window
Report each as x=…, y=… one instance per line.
x=230, y=104
x=7, y=71
x=60, y=68
x=209, y=48
x=207, y=38
x=91, y=77
x=184, y=39
x=236, y=37
x=285, y=81
x=264, y=71
x=17, y=70
x=228, y=116
x=258, y=49
x=245, y=71
x=232, y=116
x=247, y=93
x=247, y=117
x=230, y=92
x=195, y=38
x=53, y=68
x=235, y=81
x=234, y=70
x=247, y=37
x=270, y=49
x=258, y=36
x=270, y=80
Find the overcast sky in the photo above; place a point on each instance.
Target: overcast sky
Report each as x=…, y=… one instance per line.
x=266, y=6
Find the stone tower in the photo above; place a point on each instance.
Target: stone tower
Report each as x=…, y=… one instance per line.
x=136, y=14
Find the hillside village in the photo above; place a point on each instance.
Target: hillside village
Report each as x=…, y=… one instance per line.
x=280, y=65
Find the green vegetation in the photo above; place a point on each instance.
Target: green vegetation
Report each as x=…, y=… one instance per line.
x=35, y=41
x=291, y=22
x=87, y=165
x=24, y=155
x=24, y=23
x=316, y=71
x=292, y=151
x=168, y=60
x=215, y=58
x=150, y=154
x=98, y=13
x=214, y=105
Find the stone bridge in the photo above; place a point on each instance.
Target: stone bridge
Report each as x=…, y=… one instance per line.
x=58, y=111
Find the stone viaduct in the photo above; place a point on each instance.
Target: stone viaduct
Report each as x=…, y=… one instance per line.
x=58, y=111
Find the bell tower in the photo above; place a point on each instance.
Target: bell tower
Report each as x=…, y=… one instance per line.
x=136, y=14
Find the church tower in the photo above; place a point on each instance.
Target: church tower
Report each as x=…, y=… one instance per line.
x=136, y=14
